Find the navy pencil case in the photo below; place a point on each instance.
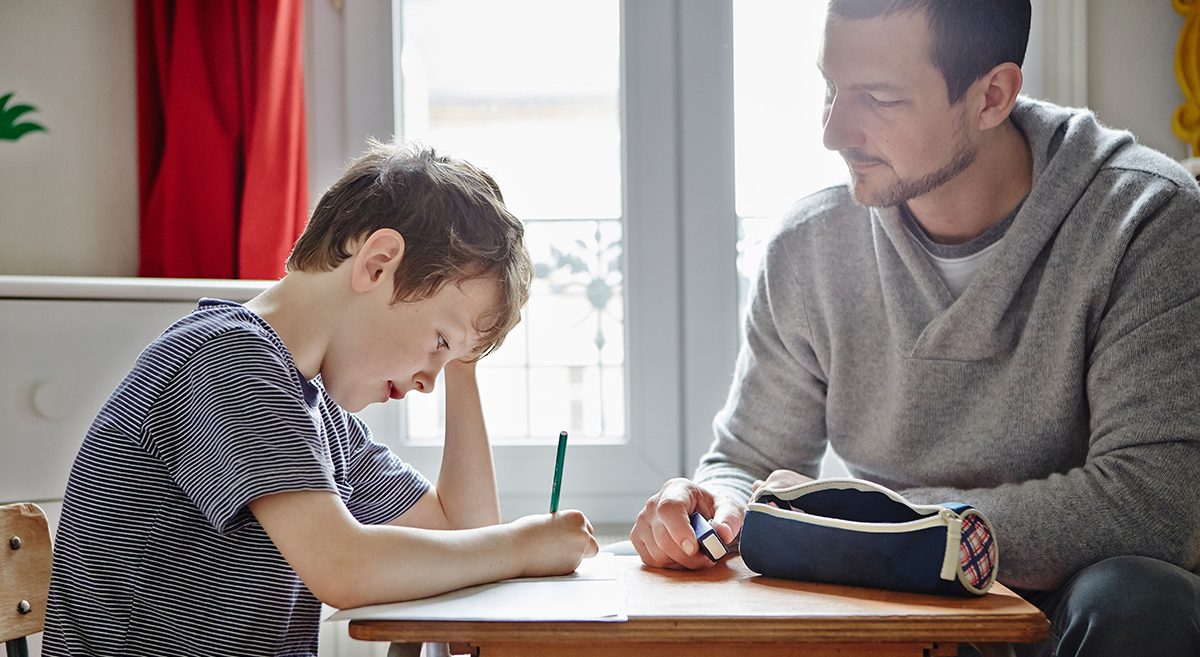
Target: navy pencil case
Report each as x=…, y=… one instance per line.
x=850, y=531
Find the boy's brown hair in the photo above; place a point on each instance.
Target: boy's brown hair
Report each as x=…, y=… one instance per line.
x=451, y=215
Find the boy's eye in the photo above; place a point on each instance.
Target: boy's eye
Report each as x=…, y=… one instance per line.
x=883, y=103
x=441, y=343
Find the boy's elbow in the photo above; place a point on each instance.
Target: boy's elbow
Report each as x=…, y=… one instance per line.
x=338, y=590
x=344, y=593
x=338, y=597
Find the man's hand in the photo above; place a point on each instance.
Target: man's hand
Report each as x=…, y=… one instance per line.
x=663, y=534
x=780, y=479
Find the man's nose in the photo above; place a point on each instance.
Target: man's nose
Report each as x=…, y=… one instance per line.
x=841, y=130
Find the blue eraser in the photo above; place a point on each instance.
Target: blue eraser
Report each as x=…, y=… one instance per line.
x=706, y=537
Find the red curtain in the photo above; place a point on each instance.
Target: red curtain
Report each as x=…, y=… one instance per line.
x=221, y=140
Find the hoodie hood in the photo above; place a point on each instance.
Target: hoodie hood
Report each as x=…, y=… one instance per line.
x=1069, y=149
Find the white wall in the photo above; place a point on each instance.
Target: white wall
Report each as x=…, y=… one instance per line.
x=1131, y=75
x=68, y=197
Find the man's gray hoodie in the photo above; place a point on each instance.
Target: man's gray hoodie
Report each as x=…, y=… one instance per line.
x=1059, y=394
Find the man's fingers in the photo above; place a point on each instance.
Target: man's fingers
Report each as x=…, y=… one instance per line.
x=679, y=531
x=728, y=517
x=650, y=554
x=667, y=545
x=663, y=534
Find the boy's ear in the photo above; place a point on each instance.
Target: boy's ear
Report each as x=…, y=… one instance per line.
x=376, y=259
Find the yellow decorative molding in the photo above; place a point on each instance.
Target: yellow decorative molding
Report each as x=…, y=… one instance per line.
x=1186, y=121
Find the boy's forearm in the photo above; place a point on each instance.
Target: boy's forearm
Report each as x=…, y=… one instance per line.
x=390, y=564
x=466, y=484
x=387, y=563
x=348, y=564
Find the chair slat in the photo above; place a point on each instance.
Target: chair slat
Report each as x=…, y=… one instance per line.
x=24, y=570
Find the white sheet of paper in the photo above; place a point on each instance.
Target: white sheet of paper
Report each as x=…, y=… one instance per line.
x=591, y=593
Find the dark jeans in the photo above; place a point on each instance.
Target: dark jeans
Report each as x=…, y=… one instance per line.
x=1123, y=606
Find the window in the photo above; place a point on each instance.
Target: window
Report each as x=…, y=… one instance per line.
x=540, y=109
x=778, y=100
x=652, y=146
x=573, y=124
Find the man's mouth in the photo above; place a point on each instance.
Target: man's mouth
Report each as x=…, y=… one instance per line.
x=862, y=165
x=859, y=162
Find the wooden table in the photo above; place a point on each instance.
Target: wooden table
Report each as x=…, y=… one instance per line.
x=728, y=611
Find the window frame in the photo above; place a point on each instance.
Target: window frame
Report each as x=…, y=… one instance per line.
x=680, y=222
x=677, y=198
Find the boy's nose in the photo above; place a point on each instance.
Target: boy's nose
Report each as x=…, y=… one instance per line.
x=424, y=382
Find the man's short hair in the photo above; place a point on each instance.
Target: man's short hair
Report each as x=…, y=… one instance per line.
x=969, y=37
x=453, y=220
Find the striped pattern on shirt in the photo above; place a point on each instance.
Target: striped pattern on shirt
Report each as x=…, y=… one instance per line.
x=157, y=552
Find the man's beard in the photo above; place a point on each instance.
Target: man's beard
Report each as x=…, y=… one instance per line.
x=904, y=190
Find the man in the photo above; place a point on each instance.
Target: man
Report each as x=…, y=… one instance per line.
x=1002, y=308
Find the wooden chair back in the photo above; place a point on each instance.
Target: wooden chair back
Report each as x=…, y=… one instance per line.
x=24, y=571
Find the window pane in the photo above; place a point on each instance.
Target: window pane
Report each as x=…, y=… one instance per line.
x=778, y=99
x=541, y=113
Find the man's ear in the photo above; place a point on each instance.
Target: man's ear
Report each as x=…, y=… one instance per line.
x=1001, y=85
x=376, y=260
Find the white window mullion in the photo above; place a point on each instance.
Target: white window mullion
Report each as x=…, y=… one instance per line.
x=1056, y=60
x=652, y=215
x=708, y=232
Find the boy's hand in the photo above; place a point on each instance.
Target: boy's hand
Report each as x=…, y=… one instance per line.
x=459, y=367
x=554, y=543
x=663, y=535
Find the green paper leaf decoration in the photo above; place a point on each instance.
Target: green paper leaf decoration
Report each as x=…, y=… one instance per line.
x=10, y=128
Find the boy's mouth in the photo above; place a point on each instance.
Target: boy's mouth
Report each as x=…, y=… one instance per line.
x=394, y=392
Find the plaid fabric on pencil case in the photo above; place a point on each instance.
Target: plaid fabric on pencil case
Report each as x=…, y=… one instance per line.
x=850, y=531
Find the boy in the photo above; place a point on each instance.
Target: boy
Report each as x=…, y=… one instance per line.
x=225, y=490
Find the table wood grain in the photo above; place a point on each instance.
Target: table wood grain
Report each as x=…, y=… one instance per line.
x=730, y=610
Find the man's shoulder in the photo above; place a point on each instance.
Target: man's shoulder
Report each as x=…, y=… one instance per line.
x=835, y=200
x=1139, y=159
x=1138, y=185
x=831, y=213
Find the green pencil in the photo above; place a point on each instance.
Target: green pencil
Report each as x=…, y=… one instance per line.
x=558, y=468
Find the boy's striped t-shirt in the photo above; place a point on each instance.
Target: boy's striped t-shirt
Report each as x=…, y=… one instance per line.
x=157, y=552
